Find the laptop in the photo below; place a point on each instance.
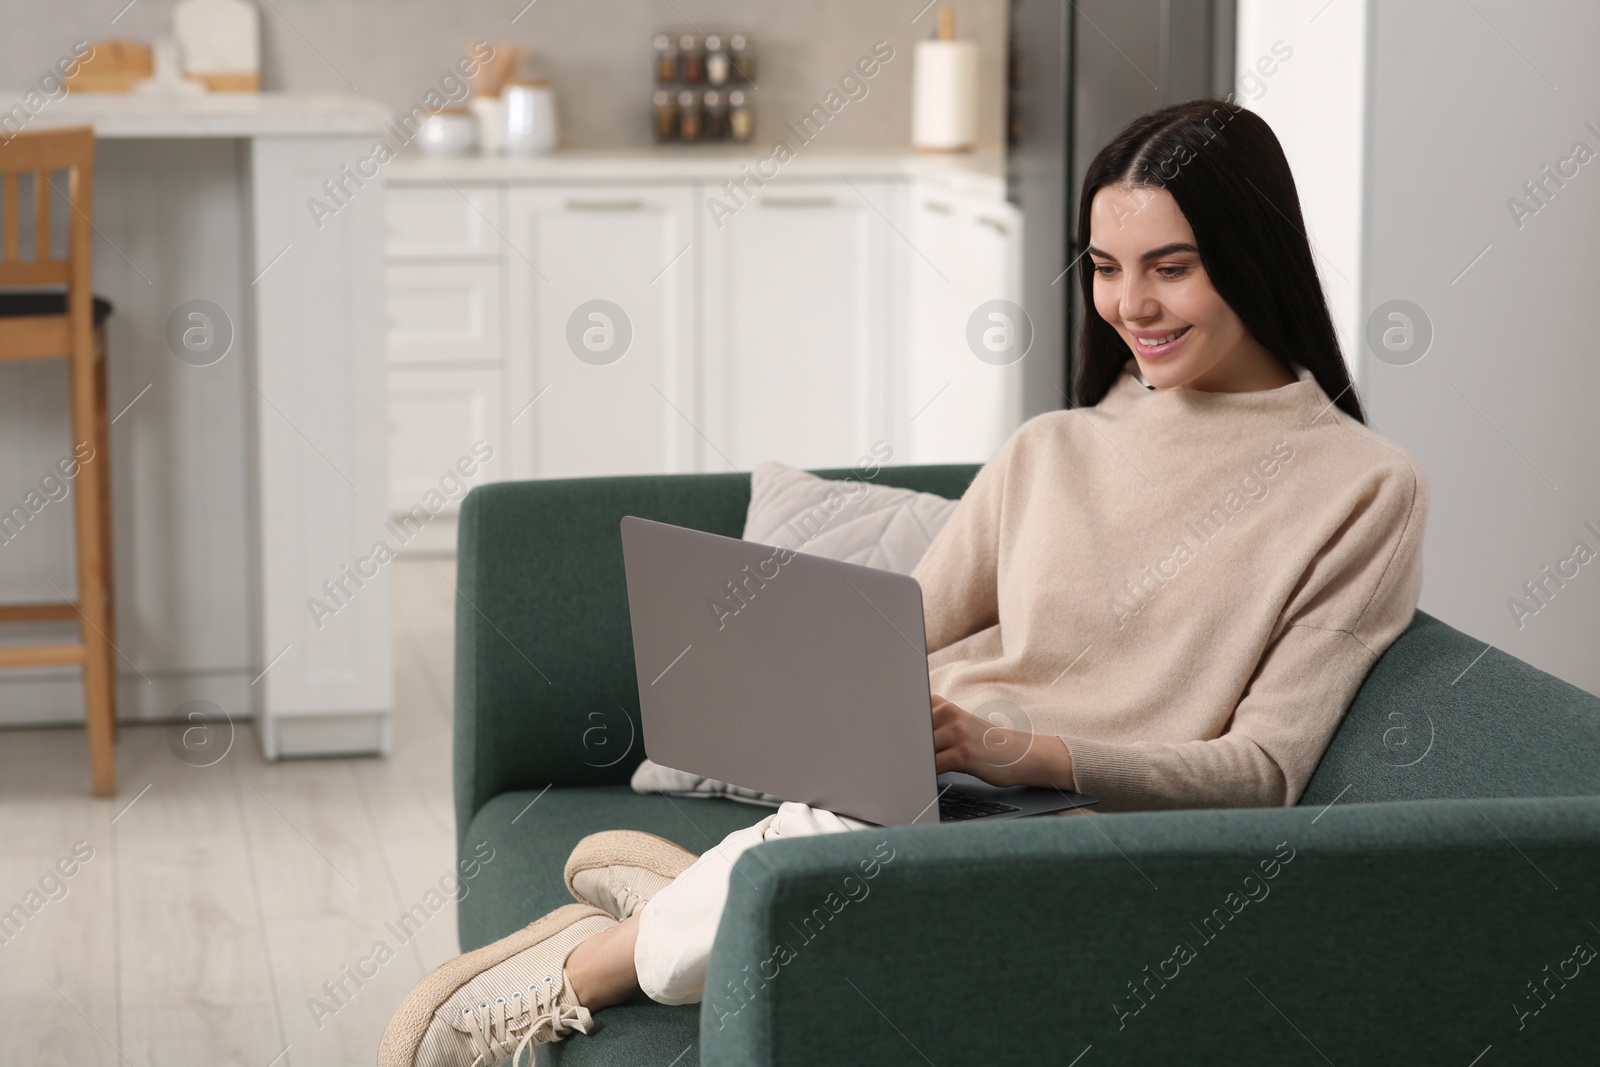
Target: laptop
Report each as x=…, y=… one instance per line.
x=798, y=676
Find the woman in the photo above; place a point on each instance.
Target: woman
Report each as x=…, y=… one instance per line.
x=1180, y=584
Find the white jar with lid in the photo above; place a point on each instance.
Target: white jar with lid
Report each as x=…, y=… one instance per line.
x=530, y=112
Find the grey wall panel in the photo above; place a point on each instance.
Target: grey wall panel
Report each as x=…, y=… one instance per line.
x=1466, y=107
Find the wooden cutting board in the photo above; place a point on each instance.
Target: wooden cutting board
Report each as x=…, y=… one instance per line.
x=113, y=67
x=221, y=43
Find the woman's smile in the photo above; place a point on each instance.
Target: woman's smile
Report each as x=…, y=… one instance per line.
x=1157, y=344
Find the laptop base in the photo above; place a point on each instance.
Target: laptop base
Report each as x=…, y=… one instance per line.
x=964, y=798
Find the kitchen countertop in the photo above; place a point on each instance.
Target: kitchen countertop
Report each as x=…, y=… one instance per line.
x=214, y=115
x=978, y=173
x=128, y=115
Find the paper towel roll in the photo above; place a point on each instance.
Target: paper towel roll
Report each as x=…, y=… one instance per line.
x=944, y=95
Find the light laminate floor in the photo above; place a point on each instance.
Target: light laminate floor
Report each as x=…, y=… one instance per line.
x=239, y=913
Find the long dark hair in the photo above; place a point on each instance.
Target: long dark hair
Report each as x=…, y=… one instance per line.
x=1226, y=171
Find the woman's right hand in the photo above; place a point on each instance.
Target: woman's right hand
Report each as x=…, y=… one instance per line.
x=995, y=754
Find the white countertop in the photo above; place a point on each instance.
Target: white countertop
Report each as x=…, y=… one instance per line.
x=978, y=173
x=208, y=114
x=132, y=115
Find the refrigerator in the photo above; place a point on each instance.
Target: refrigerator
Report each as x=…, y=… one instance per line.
x=1080, y=70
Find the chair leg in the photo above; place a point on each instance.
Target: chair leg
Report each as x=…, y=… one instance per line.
x=98, y=668
x=102, y=400
x=98, y=682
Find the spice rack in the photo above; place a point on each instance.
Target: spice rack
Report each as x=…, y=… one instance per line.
x=704, y=88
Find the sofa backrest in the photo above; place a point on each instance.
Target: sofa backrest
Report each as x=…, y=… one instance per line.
x=1442, y=715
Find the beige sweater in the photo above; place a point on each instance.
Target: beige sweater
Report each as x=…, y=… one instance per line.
x=1188, y=588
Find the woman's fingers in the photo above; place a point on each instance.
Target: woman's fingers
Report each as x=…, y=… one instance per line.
x=949, y=739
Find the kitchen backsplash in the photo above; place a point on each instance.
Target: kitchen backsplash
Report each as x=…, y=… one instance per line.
x=596, y=53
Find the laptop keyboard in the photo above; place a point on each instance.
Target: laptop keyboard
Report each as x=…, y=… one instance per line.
x=956, y=806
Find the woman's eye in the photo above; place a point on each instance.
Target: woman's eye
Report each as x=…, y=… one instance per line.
x=1172, y=272
x=1105, y=270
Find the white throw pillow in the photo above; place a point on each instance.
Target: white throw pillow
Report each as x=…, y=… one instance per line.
x=852, y=520
x=873, y=525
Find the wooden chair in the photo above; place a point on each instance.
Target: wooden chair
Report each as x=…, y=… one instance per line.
x=48, y=311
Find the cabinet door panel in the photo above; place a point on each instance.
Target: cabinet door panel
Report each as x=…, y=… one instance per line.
x=961, y=408
x=441, y=221
x=602, y=369
x=442, y=422
x=446, y=312
x=798, y=307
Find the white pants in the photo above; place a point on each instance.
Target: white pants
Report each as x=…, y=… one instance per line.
x=677, y=926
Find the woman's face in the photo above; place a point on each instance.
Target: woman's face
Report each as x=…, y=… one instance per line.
x=1150, y=286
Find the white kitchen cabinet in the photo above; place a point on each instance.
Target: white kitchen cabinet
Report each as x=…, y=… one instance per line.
x=963, y=406
x=444, y=313
x=827, y=311
x=797, y=306
x=601, y=354
x=437, y=419
x=446, y=333
x=449, y=219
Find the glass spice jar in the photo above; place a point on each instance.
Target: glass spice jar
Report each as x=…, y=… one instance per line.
x=663, y=116
x=741, y=117
x=689, y=124
x=716, y=115
x=743, y=56
x=717, y=65
x=691, y=60
x=666, y=60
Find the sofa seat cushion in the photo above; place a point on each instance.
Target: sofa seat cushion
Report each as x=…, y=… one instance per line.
x=522, y=881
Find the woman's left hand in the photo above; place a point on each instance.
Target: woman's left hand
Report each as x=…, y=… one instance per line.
x=964, y=742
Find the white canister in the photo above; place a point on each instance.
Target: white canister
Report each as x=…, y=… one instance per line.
x=452, y=132
x=530, y=109
x=491, y=113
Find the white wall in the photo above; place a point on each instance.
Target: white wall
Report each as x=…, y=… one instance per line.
x=597, y=53
x=1504, y=410
x=1313, y=101
x=1411, y=125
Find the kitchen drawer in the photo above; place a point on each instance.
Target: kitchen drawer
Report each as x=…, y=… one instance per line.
x=442, y=221
x=444, y=313
x=445, y=435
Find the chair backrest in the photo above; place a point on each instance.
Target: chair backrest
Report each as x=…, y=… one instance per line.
x=32, y=161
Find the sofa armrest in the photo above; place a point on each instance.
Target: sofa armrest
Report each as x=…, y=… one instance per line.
x=1402, y=932
x=544, y=681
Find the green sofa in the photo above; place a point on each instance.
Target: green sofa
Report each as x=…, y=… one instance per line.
x=1434, y=898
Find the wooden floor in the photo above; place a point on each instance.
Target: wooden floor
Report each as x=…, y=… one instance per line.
x=218, y=900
